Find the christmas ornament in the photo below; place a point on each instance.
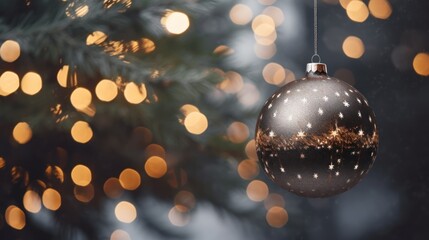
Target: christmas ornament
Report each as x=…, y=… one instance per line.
x=316, y=136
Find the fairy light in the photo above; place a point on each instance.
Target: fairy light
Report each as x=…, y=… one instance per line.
x=125, y=212
x=175, y=22
x=22, y=133
x=112, y=188
x=241, y=14
x=96, y=37
x=81, y=98
x=155, y=167
x=9, y=83
x=420, y=64
x=257, y=191
x=81, y=175
x=196, y=123
x=81, y=132
x=277, y=217
x=232, y=83
x=129, y=179
x=357, y=11
x=31, y=83
x=380, y=8
x=51, y=199
x=84, y=194
x=274, y=74
x=135, y=94
x=155, y=150
x=248, y=169
x=31, y=201
x=237, y=132
x=353, y=47
x=62, y=76
x=10, y=51
x=15, y=217
x=119, y=234
x=106, y=90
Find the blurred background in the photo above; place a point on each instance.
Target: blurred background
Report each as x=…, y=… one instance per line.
x=134, y=119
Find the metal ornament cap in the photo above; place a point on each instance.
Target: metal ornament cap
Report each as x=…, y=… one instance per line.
x=316, y=136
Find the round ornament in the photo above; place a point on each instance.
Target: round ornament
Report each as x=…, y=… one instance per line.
x=316, y=136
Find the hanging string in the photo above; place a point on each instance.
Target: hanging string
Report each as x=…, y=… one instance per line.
x=316, y=55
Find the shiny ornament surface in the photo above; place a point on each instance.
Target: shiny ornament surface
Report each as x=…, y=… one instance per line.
x=316, y=136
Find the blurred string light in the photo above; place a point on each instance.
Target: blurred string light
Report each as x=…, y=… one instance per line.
x=276, y=14
x=232, y=83
x=81, y=98
x=81, y=175
x=155, y=167
x=15, y=217
x=129, y=179
x=175, y=22
x=178, y=216
x=106, y=90
x=421, y=64
x=62, y=76
x=357, y=11
x=51, y=199
x=196, y=123
x=345, y=3
x=81, y=132
x=277, y=217
x=188, y=108
x=274, y=200
x=55, y=172
x=248, y=169
x=155, y=150
x=257, y=190
x=122, y=3
x=113, y=188
x=9, y=83
x=380, y=8
x=31, y=83
x=120, y=234
x=84, y=194
x=353, y=47
x=31, y=201
x=276, y=74
x=134, y=93
x=10, y=51
x=125, y=212
x=22, y=132
x=96, y=37
x=241, y=14
x=237, y=132
x=76, y=10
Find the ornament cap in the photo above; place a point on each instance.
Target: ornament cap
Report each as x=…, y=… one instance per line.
x=316, y=69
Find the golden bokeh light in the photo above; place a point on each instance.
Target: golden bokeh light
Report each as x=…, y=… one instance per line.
x=223, y=50
x=32, y=201
x=175, y=22
x=135, y=94
x=155, y=150
x=51, y=199
x=2, y=162
x=274, y=200
x=185, y=198
x=155, y=167
x=274, y=74
x=81, y=175
x=178, y=217
x=250, y=150
x=10, y=51
x=62, y=76
x=125, y=212
x=97, y=37
x=120, y=235
x=380, y=8
x=129, y=179
x=188, y=108
x=81, y=132
x=345, y=3
x=265, y=51
x=237, y=132
x=353, y=47
x=84, y=194
x=22, y=133
x=248, y=169
x=241, y=14
x=148, y=45
x=421, y=64
x=232, y=83
x=31, y=83
x=9, y=83
x=277, y=217
x=276, y=13
x=15, y=217
x=257, y=191
x=266, y=41
x=82, y=10
x=81, y=98
x=196, y=123
x=55, y=172
x=106, y=90
x=263, y=26
x=357, y=11
x=112, y=188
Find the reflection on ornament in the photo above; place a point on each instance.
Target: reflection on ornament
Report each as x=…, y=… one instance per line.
x=316, y=136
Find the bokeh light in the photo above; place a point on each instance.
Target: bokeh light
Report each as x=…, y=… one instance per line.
x=62, y=76
x=97, y=37
x=51, y=199
x=263, y=26
x=81, y=132
x=344, y=3
x=125, y=212
x=15, y=217
x=175, y=22
x=10, y=51
x=277, y=217
x=84, y=194
x=257, y=191
x=32, y=201
x=112, y=188
x=274, y=74
x=276, y=13
x=129, y=179
x=274, y=200
x=81, y=175
x=250, y=150
x=22, y=133
x=241, y=14
x=135, y=94
x=421, y=64
x=31, y=83
x=196, y=123
x=155, y=167
x=81, y=98
x=188, y=108
x=248, y=169
x=106, y=90
x=357, y=11
x=2, y=162
x=120, y=235
x=185, y=198
x=265, y=51
x=178, y=217
x=353, y=47
x=9, y=83
x=232, y=83
x=55, y=173
x=237, y=132
x=380, y=8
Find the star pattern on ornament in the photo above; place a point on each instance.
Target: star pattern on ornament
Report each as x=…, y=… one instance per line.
x=341, y=115
x=286, y=100
x=304, y=100
x=346, y=104
x=278, y=95
x=298, y=176
x=290, y=118
x=315, y=90
x=346, y=93
x=270, y=106
x=302, y=156
x=275, y=114
x=301, y=134
x=309, y=125
x=315, y=176
x=331, y=166
x=337, y=173
x=358, y=100
x=282, y=169
x=356, y=167
x=272, y=134
x=337, y=94
x=359, y=114
x=320, y=111
x=360, y=132
x=325, y=98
